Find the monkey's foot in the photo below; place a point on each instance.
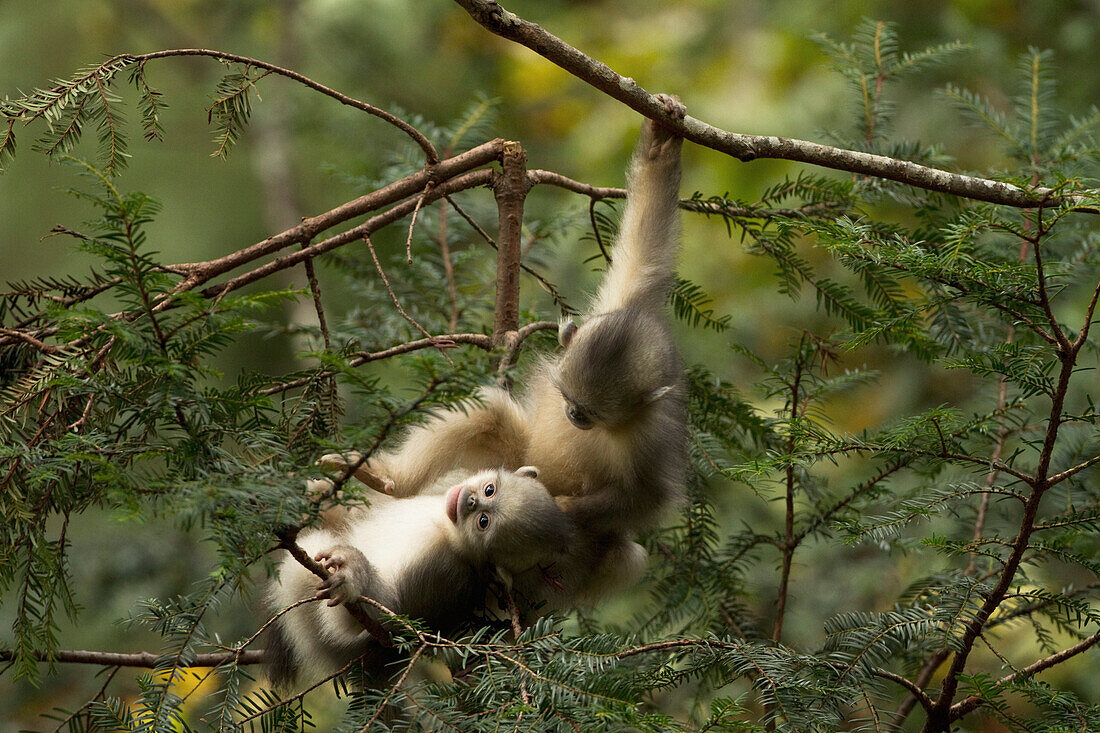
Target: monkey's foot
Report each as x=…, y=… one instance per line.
x=348, y=573
x=675, y=108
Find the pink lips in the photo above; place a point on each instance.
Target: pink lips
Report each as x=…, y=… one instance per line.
x=452, y=503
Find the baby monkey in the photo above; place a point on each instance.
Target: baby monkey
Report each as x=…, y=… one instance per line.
x=426, y=557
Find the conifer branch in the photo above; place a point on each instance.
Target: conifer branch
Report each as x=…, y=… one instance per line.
x=971, y=703
x=914, y=689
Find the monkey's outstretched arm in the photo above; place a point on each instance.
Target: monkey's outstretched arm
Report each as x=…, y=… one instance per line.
x=489, y=435
x=645, y=252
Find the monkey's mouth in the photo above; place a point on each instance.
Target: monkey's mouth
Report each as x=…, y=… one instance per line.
x=453, y=495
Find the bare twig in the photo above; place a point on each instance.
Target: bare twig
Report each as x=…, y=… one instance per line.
x=548, y=286
x=417, y=136
x=476, y=339
x=436, y=341
x=412, y=223
x=448, y=266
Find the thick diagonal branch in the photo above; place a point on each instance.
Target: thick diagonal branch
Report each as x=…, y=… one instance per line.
x=496, y=19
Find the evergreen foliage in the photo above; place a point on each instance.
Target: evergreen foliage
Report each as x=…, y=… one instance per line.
x=987, y=508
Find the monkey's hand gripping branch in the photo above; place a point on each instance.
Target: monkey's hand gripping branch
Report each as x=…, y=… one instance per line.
x=288, y=541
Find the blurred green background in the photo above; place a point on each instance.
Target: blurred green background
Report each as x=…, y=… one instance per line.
x=749, y=66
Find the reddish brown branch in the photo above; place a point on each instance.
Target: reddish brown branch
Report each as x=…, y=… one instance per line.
x=966, y=706
x=511, y=189
x=914, y=689
x=21, y=336
x=460, y=183
x=202, y=272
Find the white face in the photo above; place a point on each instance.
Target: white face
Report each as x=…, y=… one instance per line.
x=471, y=506
x=497, y=513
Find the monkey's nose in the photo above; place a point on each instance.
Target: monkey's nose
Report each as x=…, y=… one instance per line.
x=471, y=501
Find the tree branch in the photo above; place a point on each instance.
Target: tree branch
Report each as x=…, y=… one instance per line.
x=417, y=136
x=143, y=659
x=507, y=25
x=914, y=690
x=288, y=541
x=511, y=189
x=472, y=179
x=310, y=227
x=963, y=707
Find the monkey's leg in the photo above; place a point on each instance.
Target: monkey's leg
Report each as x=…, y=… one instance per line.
x=644, y=254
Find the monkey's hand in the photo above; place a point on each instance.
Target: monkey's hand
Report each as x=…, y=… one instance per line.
x=659, y=141
x=596, y=511
x=349, y=574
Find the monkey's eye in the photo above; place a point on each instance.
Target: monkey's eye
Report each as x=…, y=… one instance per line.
x=483, y=521
x=490, y=489
x=578, y=416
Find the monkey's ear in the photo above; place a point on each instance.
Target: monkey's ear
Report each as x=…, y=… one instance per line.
x=657, y=394
x=528, y=471
x=566, y=329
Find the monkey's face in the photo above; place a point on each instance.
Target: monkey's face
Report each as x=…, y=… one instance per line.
x=506, y=517
x=472, y=506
